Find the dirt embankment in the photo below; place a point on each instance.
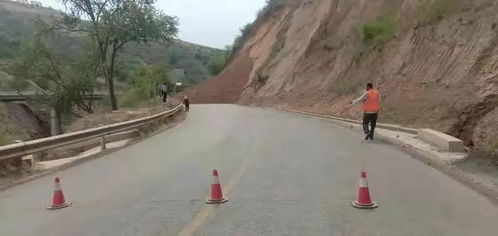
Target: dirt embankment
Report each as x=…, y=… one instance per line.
x=436, y=65
x=108, y=117
x=226, y=87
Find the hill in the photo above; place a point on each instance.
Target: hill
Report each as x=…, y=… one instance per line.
x=434, y=61
x=17, y=23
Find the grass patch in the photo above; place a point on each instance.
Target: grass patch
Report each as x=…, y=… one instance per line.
x=277, y=47
x=380, y=30
x=434, y=10
x=261, y=78
x=491, y=150
x=5, y=139
x=134, y=97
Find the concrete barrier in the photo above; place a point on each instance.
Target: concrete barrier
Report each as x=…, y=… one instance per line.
x=397, y=128
x=441, y=140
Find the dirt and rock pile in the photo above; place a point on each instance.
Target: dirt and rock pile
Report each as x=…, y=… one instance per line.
x=226, y=87
x=434, y=61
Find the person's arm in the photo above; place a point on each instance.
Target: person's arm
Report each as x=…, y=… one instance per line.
x=360, y=99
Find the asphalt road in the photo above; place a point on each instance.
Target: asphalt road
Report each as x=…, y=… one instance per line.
x=284, y=174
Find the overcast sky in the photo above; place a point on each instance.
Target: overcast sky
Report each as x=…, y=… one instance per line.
x=213, y=23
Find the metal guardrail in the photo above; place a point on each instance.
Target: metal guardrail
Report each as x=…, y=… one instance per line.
x=6, y=96
x=44, y=144
x=380, y=125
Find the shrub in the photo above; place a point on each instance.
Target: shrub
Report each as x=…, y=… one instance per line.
x=277, y=46
x=216, y=64
x=270, y=5
x=380, y=30
x=433, y=10
x=144, y=85
x=133, y=97
x=261, y=78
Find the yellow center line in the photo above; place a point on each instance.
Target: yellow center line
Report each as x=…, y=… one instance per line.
x=208, y=211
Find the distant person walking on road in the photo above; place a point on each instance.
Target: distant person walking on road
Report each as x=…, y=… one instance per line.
x=371, y=108
x=186, y=101
x=164, y=91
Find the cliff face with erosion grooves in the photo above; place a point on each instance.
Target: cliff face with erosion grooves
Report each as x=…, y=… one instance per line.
x=435, y=62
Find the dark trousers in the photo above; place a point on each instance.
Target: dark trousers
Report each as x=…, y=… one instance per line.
x=165, y=96
x=187, y=104
x=369, y=119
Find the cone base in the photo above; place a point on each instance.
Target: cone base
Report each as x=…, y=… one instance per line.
x=213, y=201
x=373, y=205
x=53, y=207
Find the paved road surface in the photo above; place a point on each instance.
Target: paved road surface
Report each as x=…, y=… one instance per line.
x=285, y=174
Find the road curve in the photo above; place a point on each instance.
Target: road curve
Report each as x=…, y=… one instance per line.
x=284, y=174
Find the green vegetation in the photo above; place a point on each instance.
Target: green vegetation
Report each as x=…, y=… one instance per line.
x=261, y=77
x=9, y=131
x=240, y=40
x=17, y=24
x=277, y=46
x=64, y=83
x=144, y=85
x=433, y=10
x=216, y=64
x=113, y=24
x=4, y=139
x=380, y=30
x=270, y=6
x=191, y=58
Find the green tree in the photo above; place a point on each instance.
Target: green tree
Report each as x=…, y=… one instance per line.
x=144, y=84
x=65, y=84
x=114, y=23
x=216, y=64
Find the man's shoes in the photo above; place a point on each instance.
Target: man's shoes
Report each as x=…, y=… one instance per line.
x=367, y=137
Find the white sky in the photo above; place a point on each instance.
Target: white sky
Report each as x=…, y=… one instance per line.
x=213, y=23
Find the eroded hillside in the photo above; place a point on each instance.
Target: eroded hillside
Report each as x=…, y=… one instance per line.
x=434, y=61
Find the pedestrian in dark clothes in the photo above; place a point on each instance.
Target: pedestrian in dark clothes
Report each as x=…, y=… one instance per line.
x=186, y=101
x=164, y=92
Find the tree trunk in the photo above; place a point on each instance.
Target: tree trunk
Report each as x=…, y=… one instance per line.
x=110, y=78
x=113, y=96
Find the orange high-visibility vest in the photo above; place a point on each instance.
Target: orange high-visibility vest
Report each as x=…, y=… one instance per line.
x=372, y=104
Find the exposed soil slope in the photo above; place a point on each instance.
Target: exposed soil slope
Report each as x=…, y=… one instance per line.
x=226, y=87
x=436, y=66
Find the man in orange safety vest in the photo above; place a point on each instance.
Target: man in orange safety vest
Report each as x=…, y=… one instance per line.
x=371, y=108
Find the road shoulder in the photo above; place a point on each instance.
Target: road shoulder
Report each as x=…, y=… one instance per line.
x=459, y=166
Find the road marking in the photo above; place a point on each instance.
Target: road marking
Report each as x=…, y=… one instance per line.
x=208, y=211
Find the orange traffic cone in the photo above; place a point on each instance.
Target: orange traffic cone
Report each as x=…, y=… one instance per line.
x=58, y=200
x=216, y=192
x=364, y=201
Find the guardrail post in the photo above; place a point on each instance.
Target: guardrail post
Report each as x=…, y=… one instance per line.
x=102, y=143
x=55, y=122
